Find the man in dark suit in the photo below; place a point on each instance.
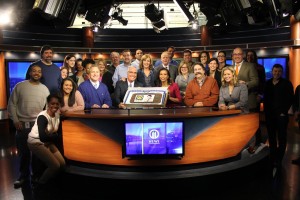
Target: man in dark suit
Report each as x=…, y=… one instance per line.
x=122, y=86
x=165, y=59
x=247, y=74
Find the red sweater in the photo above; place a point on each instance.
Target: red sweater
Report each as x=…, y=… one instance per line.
x=208, y=94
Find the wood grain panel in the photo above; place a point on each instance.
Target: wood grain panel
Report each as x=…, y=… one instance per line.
x=223, y=140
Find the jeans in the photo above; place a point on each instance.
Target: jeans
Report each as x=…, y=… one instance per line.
x=23, y=152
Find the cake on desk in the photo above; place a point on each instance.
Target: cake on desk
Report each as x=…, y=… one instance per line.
x=146, y=97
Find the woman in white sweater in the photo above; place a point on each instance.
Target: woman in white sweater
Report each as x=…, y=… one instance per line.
x=43, y=137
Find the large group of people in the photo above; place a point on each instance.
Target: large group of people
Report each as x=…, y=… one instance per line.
x=36, y=104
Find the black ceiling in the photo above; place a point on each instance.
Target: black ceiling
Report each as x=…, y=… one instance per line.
x=225, y=12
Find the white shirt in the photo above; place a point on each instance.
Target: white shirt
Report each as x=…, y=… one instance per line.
x=95, y=84
x=130, y=84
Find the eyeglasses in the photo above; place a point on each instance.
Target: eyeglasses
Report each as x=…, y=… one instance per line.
x=221, y=56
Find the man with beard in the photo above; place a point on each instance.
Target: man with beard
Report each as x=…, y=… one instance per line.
x=26, y=101
x=51, y=73
x=202, y=90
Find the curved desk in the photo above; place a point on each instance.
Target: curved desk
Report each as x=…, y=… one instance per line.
x=215, y=141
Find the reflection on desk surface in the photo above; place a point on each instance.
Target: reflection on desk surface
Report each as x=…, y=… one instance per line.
x=157, y=112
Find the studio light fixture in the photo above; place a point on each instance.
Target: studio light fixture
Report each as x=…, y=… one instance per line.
x=117, y=15
x=194, y=24
x=156, y=17
x=185, y=11
x=96, y=27
x=99, y=15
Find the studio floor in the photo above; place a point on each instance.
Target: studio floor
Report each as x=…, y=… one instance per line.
x=255, y=182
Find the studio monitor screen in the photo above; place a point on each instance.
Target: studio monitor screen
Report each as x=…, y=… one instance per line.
x=154, y=139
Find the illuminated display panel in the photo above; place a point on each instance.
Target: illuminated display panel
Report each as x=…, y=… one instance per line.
x=17, y=72
x=157, y=139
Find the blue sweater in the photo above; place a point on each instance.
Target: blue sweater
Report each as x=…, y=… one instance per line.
x=51, y=76
x=92, y=96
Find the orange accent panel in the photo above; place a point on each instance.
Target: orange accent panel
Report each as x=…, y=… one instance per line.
x=223, y=140
x=294, y=53
x=294, y=73
x=295, y=28
x=88, y=37
x=205, y=36
x=3, y=97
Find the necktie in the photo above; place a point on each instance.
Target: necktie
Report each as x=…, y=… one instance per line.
x=237, y=68
x=130, y=84
x=95, y=86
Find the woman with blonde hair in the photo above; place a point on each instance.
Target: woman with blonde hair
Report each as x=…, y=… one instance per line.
x=105, y=75
x=233, y=95
x=146, y=74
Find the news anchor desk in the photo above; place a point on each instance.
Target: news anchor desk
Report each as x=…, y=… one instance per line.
x=215, y=141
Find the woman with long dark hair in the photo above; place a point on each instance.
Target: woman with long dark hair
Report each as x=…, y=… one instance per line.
x=69, y=63
x=71, y=98
x=164, y=80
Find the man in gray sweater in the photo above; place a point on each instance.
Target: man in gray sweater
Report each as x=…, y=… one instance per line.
x=26, y=101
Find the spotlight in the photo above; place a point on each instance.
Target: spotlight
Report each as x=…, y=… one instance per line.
x=117, y=15
x=95, y=28
x=99, y=14
x=195, y=24
x=156, y=17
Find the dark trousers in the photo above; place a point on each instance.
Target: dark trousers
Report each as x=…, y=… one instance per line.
x=23, y=152
x=277, y=133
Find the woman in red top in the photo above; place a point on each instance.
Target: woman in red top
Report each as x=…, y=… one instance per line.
x=174, y=97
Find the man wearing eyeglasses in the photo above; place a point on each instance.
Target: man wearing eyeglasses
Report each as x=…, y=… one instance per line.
x=246, y=74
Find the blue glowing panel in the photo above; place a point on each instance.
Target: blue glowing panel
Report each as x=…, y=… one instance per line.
x=268, y=64
x=17, y=72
